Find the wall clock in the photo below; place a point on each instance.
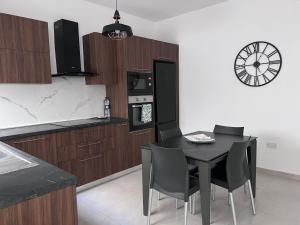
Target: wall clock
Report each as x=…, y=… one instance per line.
x=258, y=64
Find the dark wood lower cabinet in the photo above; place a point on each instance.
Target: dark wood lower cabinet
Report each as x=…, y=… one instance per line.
x=90, y=169
x=137, y=139
x=59, y=208
x=89, y=153
x=42, y=147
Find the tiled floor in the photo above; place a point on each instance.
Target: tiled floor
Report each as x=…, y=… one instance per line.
x=119, y=202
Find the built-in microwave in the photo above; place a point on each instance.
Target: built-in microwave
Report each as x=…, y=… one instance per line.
x=139, y=84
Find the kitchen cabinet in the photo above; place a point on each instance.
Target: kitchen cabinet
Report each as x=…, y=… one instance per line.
x=42, y=147
x=138, y=54
x=122, y=150
x=165, y=51
x=24, y=50
x=100, y=58
x=57, y=207
x=137, y=139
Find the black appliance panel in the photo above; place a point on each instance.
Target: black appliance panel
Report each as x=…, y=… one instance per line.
x=165, y=92
x=139, y=84
x=67, y=48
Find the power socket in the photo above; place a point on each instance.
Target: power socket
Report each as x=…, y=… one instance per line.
x=271, y=145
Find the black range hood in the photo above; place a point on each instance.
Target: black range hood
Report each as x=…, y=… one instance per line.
x=67, y=50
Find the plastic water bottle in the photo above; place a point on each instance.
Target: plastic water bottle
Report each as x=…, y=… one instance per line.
x=106, y=107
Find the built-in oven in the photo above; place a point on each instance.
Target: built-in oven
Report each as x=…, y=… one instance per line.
x=139, y=84
x=140, y=112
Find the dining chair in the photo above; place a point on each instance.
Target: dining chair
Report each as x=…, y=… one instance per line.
x=237, y=131
x=174, y=181
x=234, y=173
x=171, y=133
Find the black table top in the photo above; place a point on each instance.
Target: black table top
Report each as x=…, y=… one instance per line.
x=201, y=151
x=25, y=184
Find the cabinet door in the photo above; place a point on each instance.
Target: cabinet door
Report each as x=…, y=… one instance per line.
x=33, y=67
x=90, y=169
x=139, y=54
x=8, y=66
x=100, y=58
x=42, y=147
x=8, y=35
x=165, y=51
x=122, y=154
x=137, y=139
x=32, y=35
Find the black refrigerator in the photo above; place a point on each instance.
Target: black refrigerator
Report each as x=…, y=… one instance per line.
x=165, y=96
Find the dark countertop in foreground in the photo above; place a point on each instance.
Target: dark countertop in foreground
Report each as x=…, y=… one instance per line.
x=27, y=131
x=25, y=184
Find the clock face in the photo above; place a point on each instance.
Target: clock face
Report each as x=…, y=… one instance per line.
x=258, y=64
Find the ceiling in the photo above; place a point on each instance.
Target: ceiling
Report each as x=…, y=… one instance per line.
x=157, y=10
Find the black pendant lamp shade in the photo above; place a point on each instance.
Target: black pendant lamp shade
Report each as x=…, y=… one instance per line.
x=117, y=31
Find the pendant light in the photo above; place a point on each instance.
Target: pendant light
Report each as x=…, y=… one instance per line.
x=117, y=31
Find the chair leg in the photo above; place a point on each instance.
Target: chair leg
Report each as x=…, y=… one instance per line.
x=213, y=192
x=149, y=207
x=245, y=186
x=194, y=204
x=190, y=204
x=158, y=196
x=251, y=196
x=228, y=198
x=177, y=207
x=185, y=212
x=233, y=209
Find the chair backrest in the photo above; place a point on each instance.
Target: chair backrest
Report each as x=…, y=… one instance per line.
x=169, y=170
x=238, y=131
x=170, y=133
x=237, y=169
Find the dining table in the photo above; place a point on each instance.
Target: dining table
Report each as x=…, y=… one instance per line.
x=205, y=156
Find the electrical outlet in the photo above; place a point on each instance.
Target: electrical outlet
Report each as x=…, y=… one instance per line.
x=271, y=145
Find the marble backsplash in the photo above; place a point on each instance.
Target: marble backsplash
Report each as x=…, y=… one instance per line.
x=67, y=98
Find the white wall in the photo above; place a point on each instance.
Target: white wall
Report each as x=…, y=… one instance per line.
x=211, y=94
x=67, y=98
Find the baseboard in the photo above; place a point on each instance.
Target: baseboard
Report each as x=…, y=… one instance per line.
x=107, y=179
x=280, y=174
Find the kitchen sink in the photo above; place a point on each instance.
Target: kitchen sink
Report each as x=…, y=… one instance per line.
x=11, y=161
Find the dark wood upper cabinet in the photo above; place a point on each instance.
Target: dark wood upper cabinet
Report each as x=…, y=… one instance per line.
x=24, y=50
x=100, y=58
x=138, y=54
x=165, y=51
x=8, y=37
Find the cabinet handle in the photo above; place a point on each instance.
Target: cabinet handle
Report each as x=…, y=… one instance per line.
x=164, y=58
x=91, y=158
x=89, y=144
x=30, y=140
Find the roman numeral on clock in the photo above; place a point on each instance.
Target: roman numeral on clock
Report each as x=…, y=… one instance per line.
x=256, y=81
x=242, y=74
x=273, y=71
x=240, y=67
x=248, y=79
x=266, y=78
x=272, y=53
x=275, y=62
x=256, y=47
x=248, y=50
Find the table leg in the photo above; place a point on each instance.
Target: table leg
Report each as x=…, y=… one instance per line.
x=205, y=191
x=252, y=164
x=146, y=166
